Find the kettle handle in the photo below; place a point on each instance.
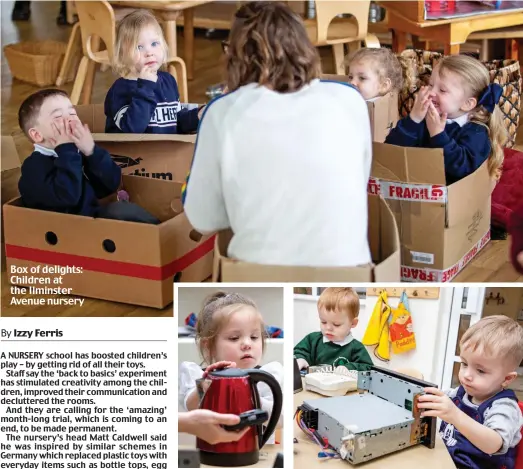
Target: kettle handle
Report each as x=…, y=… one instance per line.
x=260, y=376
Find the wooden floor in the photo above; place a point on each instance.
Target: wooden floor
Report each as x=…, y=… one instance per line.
x=491, y=265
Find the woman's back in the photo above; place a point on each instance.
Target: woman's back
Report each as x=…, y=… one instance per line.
x=287, y=172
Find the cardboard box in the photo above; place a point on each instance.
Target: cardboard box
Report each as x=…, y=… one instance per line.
x=121, y=261
x=442, y=228
x=383, y=111
x=153, y=156
x=384, y=245
x=10, y=176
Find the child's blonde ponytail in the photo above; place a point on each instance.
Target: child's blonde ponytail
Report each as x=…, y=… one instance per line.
x=498, y=137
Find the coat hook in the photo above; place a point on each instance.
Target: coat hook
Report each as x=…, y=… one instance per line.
x=415, y=293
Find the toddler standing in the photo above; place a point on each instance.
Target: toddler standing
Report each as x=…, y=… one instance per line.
x=144, y=99
x=457, y=112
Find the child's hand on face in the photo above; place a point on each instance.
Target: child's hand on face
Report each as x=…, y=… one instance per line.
x=148, y=73
x=435, y=122
x=200, y=112
x=437, y=404
x=81, y=137
x=217, y=365
x=421, y=105
x=61, y=132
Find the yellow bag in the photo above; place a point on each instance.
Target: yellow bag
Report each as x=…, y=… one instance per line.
x=377, y=332
x=401, y=330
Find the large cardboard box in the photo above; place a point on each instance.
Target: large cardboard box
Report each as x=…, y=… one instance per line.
x=442, y=228
x=384, y=244
x=10, y=176
x=165, y=157
x=120, y=261
x=383, y=111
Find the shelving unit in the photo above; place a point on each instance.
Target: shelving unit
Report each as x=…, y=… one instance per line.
x=315, y=293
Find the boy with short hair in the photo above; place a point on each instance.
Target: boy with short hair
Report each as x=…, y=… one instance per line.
x=481, y=419
x=67, y=172
x=338, y=310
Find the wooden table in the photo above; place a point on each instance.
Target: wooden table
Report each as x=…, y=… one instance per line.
x=169, y=11
x=450, y=32
x=271, y=451
x=415, y=457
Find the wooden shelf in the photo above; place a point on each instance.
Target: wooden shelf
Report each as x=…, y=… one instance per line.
x=425, y=293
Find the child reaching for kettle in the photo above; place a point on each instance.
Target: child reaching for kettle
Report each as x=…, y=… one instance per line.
x=230, y=333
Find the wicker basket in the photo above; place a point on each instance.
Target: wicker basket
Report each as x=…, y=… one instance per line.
x=38, y=62
x=506, y=73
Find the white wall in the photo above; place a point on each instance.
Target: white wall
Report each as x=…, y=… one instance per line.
x=428, y=317
x=269, y=301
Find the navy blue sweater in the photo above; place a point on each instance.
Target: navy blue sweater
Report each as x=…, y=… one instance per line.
x=465, y=148
x=69, y=183
x=144, y=106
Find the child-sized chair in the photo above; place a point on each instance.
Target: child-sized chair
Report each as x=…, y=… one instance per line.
x=329, y=30
x=96, y=22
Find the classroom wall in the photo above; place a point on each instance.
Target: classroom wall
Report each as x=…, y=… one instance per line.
x=269, y=301
x=510, y=303
x=430, y=319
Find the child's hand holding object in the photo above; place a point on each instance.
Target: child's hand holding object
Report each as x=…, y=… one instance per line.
x=437, y=404
x=218, y=365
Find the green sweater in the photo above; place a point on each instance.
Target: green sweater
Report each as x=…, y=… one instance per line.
x=353, y=355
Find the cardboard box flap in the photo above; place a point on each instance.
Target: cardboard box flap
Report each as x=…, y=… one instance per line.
x=103, y=137
x=93, y=115
x=390, y=246
x=384, y=115
x=226, y=268
x=161, y=198
x=411, y=165
x=381, y=225
x=468, y=194
x=10, y=158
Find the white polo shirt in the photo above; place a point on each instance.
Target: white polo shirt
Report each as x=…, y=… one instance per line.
x=287, y=172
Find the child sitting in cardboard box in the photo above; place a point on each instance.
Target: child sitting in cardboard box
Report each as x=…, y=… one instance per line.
x=144, y=99
x=67, y=172
x=338, y=310
x=378, y=71
x=481, y=419
x=457, y=112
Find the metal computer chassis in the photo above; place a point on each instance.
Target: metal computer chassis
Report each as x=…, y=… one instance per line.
x=365, y=426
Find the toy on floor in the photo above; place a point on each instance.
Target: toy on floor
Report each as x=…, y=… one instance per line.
x=364, y=426
x=329, y=381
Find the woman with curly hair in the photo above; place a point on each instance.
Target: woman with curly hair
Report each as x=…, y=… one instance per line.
x=282, y=159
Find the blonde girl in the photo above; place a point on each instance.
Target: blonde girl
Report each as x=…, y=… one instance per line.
x=144, y=99
x=459, y=113
x=230, y=333
x=378, y=71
